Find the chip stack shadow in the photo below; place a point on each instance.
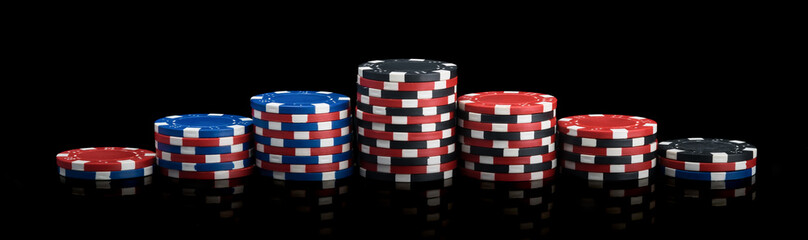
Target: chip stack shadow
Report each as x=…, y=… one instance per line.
x=405, y=119
x=507, y=135
x=204, y=146
x=608, y=147
x=303, y=135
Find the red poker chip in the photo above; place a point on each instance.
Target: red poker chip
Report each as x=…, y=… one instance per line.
x=406, y=136
x=507, y=143
x=210, y=158
x=508, y=160
x=406, y=86
x=300, y=118
x=105, y=159
x=403, y=119
x=318, y=151
x=507, y=127
x=304, y=168
x=399, y=169
x=202, y=142
x=610, y=168
x=302, y=135
x=407, y=153
x=508, y=177
x=406, y=103
x=607, y=126
x=601, y=151
x=708, y=167
x=507, y=102
x=210, y=175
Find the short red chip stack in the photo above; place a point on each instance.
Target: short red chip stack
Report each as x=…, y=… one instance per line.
x=608, y=147
x=507, y=135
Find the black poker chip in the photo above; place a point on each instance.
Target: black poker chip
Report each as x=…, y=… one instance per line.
x=506, y=135
x=408, y=70
x=425, y=111
x=391, y=94
x=507, y=152
x=491, y=118
x=518, y=168
x=422, y=127
x=414, y=161
x=607, y=143
x=711, y=150
x=594, y=159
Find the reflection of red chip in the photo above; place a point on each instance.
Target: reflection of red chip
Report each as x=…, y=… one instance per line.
x=709, y=167
x=610, y=168
x=420, y=169
x=508, y=177
x=506, y=102
x=607, y=126
x=105, y=159
x=304, y=168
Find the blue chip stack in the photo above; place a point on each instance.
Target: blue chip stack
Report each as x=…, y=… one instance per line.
x=302, y=135
x=204, y=146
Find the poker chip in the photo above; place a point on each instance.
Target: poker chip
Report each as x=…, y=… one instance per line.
x=506, y=127
x=202, y=150
x=514, y=136
x=599, y=176
x=506, y=102
x=508, y=177
x=422, y=127
x=202, y=125
x=512, y=168
x=407, y=70
x=626, y=151
x=300, y=102
x=607, y=143
x=401, y=177
x=208, y=175
x=312, y=126
x=535, y=159
x=106, y=175
x=105, y=159
x=381, y=143
x=303, y=135
x=708, y=167
x=300, y=118
x=405, y=119
x=406, y=103
x=491, y=118
x=314, y=176
x=303, y=151
x=201, y=142
x=707, y=150
x=710, y=176
x=424, y=111
x=202, y=167
x=595, y=159
x=610, y=168
x=506, y=143
x=287, y=159
x=306, y=143
x=208, y=158
x=304, y=168
x=607, y=126
x=507, y=152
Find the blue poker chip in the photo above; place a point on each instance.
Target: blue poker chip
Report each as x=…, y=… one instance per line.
x=203, y=150
x=300, y=102
x=106, y=175
x=203, y=125
x=204, y=167
x=275, y=158
x=710, y=176
x=307, y=143
x=314, y=126
x=316, y=176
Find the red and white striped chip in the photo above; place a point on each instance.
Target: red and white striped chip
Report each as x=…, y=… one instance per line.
x=506, y=127
x=406, y=103
x=406, y=86
x=303, y=135
x=300, y=118
x=507, y=102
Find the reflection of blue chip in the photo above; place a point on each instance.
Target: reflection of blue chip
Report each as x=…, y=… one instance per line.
x=203, y=150
x=204, y=167
x=710, y=176
x=317, y=176
x=300, y=102
x=106, y=175
x=307, y=143
x=203, y=125
x=313, y=126
x=275, y=158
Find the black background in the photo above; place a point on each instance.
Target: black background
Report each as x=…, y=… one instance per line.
x=80, y=81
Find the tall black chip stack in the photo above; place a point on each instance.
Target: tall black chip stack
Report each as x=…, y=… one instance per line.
x=405, y=119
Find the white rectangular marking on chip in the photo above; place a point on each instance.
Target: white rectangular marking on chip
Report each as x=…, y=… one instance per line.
x=502, y=109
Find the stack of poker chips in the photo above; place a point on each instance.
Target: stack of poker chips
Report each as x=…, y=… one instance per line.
x=507, y=135
x=302, y=135
x=204, y=146
x=105, y=163
x=607, y=147
x=708, y=159
x=405, y=119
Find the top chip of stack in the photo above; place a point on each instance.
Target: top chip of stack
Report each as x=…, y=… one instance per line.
x=105, y=163
x=708, y=159
x=507, y=135
x=405, y=119
x=302, y=135
x=608, y=147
